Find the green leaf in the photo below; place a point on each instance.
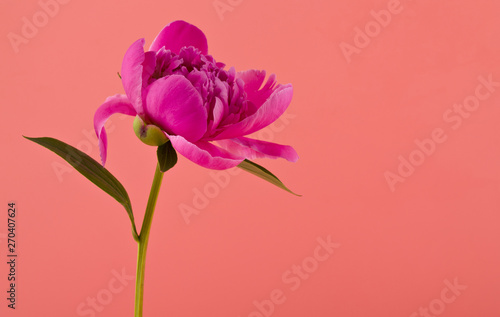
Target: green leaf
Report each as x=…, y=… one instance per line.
x=93, y=171
x=167, y=157
x=263, y=173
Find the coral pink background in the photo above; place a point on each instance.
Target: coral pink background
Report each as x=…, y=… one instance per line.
x=353, y=115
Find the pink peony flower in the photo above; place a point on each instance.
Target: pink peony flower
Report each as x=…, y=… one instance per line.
x=203, y=109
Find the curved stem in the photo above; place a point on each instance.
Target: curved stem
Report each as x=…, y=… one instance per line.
x=143, y=241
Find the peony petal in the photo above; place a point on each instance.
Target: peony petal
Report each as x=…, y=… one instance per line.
x=218, y=112
x=256, y=92
x=271, y=110
x=148, y=68
x=112, y=105
x=134, y=67
x=253, y=79
x=179, y=34
x=205, y=154
x=251, y=149
x=176, y=106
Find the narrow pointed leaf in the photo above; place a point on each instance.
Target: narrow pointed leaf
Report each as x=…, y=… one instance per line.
x=167, y=157
x=263, y=173
x=92, y=170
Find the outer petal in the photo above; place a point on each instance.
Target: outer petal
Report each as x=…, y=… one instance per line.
x=112, y=105
x=178, y=34
x=251, y=148
x=271, y=110
x=205, y=154
x=134, y=65
x=176, y=106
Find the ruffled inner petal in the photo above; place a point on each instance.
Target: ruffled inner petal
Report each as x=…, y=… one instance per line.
x=271, y=110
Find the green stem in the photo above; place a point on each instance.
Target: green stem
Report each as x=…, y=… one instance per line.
x=143, y=241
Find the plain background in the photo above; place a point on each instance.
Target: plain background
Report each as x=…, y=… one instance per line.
x=349, y=121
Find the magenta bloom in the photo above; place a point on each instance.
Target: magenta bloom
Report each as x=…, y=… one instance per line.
x=203, y=109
